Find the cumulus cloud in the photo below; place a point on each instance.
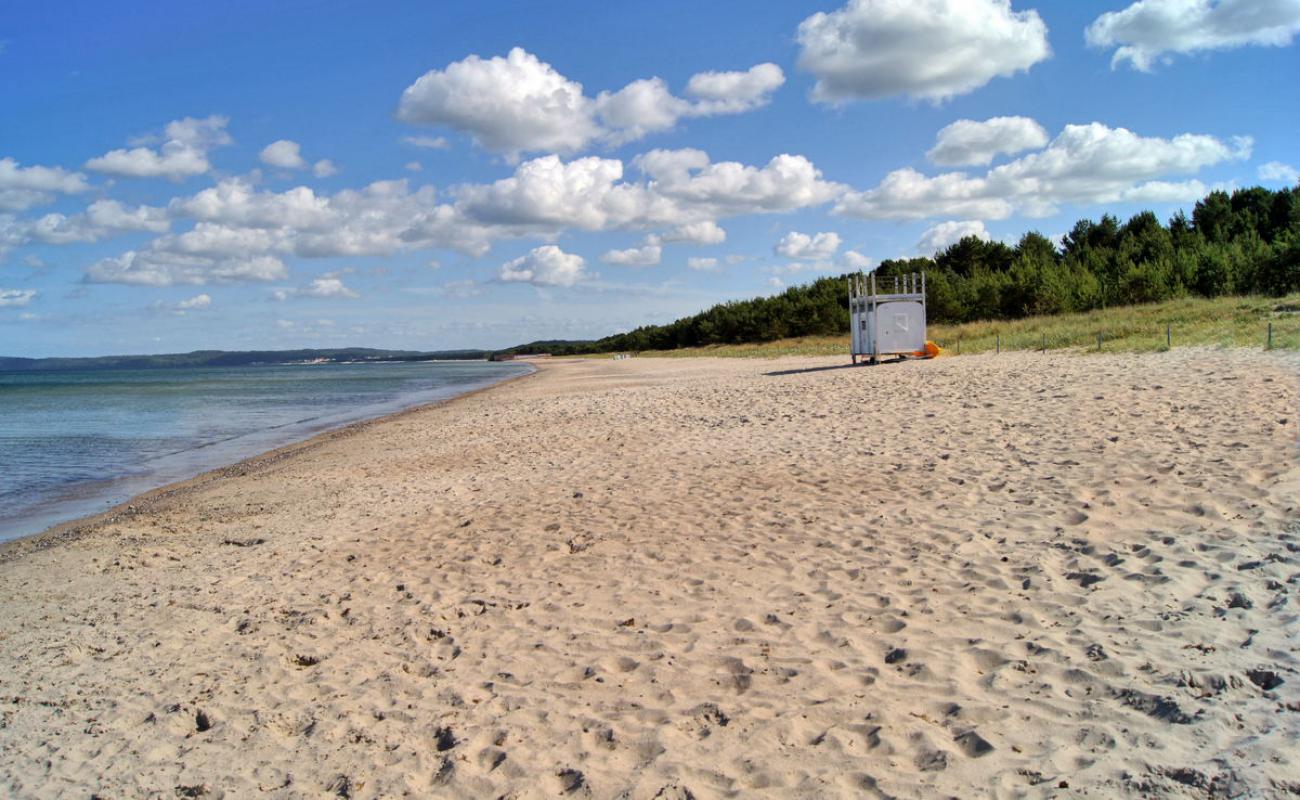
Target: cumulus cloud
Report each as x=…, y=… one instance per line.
x=645, y=256
x=928, y=49
x=1277, y=172
x=16, y=298
x=1084, y=164
x=196, y=303
x=547, y=265
x=1149, y=30
x=855, y=260
x=680, y=193
x=324, y=168
x=102, y=219
x=183, y=151
x=945, y=234
x=702, y=232
x=802, y=246
x=162, y=268
x=428, y=142
x=326, y=287
x=701, y=264
x=283, y=154
x=967, y=142
x=519, y=103
x=22, y=187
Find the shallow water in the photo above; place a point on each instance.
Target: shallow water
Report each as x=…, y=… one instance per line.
x=75, y=443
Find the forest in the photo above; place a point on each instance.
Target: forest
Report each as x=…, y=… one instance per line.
x=1243, y=243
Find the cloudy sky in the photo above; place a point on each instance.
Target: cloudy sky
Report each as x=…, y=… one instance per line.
x=429, y=175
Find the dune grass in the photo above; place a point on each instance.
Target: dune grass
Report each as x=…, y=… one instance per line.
x=1191, y=322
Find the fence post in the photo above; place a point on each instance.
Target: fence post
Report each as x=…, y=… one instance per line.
x=1044, y=343
x=1169, y=336
x=1269, y=346
x=1270, y=336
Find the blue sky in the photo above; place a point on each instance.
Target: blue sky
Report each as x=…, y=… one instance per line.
x=178, y=176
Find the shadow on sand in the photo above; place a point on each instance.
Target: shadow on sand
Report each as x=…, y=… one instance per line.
x=827, y=369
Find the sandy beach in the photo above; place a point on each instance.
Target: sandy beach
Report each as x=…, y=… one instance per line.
x=1022, y=575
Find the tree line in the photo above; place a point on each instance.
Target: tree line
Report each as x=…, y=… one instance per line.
x=1246, y=242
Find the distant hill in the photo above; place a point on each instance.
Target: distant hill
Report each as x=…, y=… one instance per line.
x=222, y=358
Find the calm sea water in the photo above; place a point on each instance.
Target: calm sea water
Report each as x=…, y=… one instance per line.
x=76, y=443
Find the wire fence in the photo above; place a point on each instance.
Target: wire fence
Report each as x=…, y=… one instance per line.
x=1281, y=333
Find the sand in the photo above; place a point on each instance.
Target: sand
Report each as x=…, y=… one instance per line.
x=1022, y=575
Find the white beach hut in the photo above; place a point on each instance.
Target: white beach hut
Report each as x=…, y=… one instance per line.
x=887, y=324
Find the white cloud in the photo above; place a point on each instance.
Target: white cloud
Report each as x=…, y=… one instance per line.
x=414, y=166
x=967, y=142
x=645, y=256
x=945, y=234
x=852, y=259
x=802, y=246
x=183, y=152
x=428, y=142
x=547, y=265
x=101, y=220
x=326, y=287
x=928, y=49
x=16, y=298
x=324, y=168
x=22, y=187
x=702, y=264
x=680, y=192
x=1148, y=30
x=1277, y=172
x=160, y=268
x=703, y=232
x=519, y=103
x=1084, y=164
x=283, y=154
x=734, y=92
x=195, y=303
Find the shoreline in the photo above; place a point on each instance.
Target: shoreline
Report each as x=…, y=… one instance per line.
x=71, y=530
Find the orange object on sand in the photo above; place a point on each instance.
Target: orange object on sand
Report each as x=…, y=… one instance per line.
x=932, y=350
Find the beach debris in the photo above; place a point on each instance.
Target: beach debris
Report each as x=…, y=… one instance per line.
x=895, y=655
x=1094, y=652
x=202, y=722
x=674, y=792
x=627, y=623
x=1239, y=600
x=571, y=780
x=445, y=770
x=444, y=739
x=972, y=744
x=196, y=790
x=304, y=661
x=702, y=719
x=1085, y=579
x=341, y=786
x=244, y=542
x=1265, y=679
x=1161, y=708
x=931, y=761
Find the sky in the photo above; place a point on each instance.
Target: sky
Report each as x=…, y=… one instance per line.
x=437, y=175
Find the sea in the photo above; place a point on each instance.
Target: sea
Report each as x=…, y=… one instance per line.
x=76, y=443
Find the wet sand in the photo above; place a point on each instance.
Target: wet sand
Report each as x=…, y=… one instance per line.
x=1017, y=575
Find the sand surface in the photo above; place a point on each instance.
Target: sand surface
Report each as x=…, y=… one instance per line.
x=1021, y=575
